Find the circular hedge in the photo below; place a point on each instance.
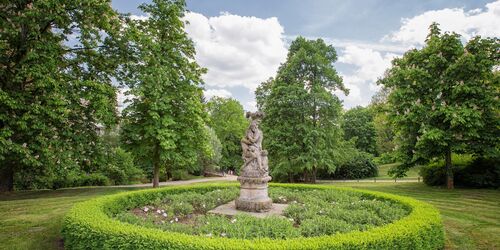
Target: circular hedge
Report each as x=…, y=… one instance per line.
x=89, y=225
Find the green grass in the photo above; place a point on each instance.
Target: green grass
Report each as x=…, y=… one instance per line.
x=383, y=169
x=33, y=219
x=471, y=216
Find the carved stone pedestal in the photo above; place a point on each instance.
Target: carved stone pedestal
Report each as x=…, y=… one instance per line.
x=253, y=194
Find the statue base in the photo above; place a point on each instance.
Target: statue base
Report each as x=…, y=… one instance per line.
x=253, y=194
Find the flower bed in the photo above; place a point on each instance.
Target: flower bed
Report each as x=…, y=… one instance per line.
x=318, y=217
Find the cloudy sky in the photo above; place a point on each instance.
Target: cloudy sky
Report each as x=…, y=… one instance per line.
x=242, y=43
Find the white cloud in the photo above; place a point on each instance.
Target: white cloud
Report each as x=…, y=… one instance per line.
x=237, y=50
x=368, y=65
x=466, y=23
x=250, y=106
x=209, y=93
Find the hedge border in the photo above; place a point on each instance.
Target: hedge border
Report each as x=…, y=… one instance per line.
x=88, y=225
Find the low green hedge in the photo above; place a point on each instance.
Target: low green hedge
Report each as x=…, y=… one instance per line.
x=89, y=225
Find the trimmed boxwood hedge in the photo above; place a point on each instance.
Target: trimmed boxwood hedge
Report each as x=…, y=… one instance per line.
x=89, y=225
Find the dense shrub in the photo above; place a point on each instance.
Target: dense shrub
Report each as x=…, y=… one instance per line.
x=89, y=225
x=359, y=167
x=95, y=179
x=468, y=172
x=119, y=167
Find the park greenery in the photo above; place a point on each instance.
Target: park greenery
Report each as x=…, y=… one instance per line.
x=310, y=213
x=360, y=221
x=60, y=126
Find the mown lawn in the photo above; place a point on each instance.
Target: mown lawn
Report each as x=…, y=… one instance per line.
x=471, y=216
x=384, y=169
x=33, y=219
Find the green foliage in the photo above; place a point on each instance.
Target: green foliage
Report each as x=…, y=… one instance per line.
x=89, y=225
x=227, y=118
x=359, y=167
x=302, y=114
x=386, y=158
x=164, y=125
x=209, y=160
x=358, y=124
x=119, y=167
x=468, y=172
x=444, y=99
x=54, y=96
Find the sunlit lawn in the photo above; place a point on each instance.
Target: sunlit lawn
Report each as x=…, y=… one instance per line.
x=32, y=220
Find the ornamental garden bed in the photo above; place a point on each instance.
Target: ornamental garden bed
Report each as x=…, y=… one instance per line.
x=316, y=217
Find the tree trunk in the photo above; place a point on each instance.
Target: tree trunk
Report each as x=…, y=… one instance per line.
x=313, y=175
x=156, y=168
x=6, y=179
x=449, y=169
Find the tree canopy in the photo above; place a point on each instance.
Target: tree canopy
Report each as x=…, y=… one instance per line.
x=444, y=99
x=358, y=125
x=227, y=118
x=302, y=116
x=164, y=125
x=54, y=96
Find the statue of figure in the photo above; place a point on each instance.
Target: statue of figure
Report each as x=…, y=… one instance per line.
x=254, y=174
x=255, y=158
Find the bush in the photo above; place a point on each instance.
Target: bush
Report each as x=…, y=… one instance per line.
x=359, y=167
x=180, y=174
x=120, y=168
x=480, y=173
x=467, y=172
x=95, y=179
x=89, y=225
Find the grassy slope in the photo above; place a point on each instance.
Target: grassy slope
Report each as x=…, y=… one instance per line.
x=32, y=220
x=383, y=169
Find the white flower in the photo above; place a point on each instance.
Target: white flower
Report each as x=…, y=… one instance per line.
x=158, y=211
x=25, y=145
x=223, y=234
x=145, y=209
x=171, y=221
x=290, y=219
x=233, y=221
x=164, y=214
x=176, y=219
x=209, y=235
x=203, y=206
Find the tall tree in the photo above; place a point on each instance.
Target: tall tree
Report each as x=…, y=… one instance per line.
x=302, y=122
x=164, y=124
x=54, y=94
x=358, y=124
x=227, y=118
x=445, y=99
x=383, y=127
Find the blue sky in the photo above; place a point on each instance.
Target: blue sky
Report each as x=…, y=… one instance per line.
x=242, y=43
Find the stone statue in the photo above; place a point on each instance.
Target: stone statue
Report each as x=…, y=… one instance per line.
x=254, y=174
x=254, y=156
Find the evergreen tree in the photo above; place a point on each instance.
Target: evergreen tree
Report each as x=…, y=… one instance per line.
x=302, y=116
